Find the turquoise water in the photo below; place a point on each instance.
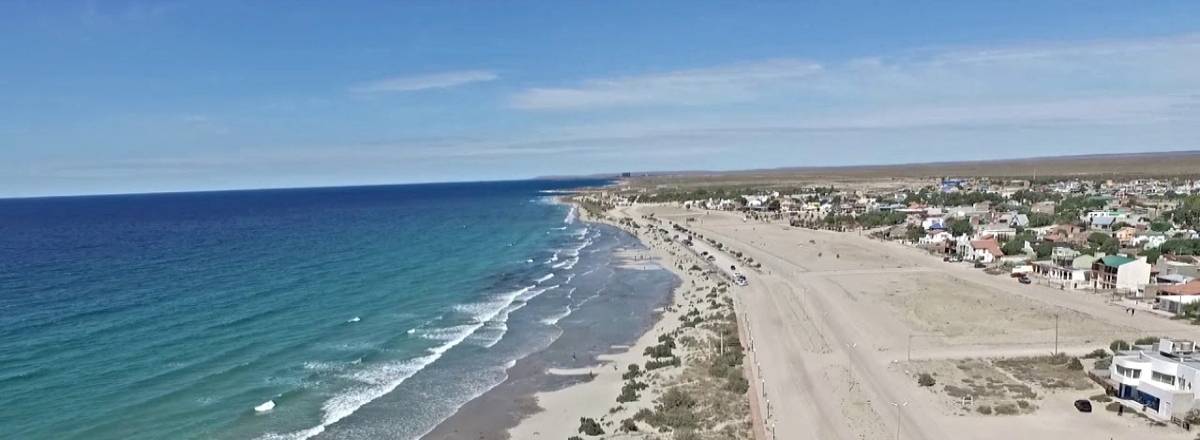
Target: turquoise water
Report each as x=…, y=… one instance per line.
x=175, y=315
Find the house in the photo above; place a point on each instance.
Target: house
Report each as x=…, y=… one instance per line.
x=1121, y=274
x=1159, y=378
x=1066, y=268
x=1125, y=235
x=1151, y=240
x=1040, y=231
x=1046, y=207
x=933, y=223
x=1173, y=298
x=1071, y=234
x=1014, y=219
x=997, y=231
x=935, y=237
x=1101, y=222
x=1184, y=266
x=984, y=250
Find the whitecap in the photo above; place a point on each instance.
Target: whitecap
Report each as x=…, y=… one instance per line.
x=553, y=320
x=375, y=381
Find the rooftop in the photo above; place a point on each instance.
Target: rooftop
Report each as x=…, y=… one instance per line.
x=1188, y=288
x=1115, y=260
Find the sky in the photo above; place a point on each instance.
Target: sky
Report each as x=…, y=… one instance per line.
x=153, y=96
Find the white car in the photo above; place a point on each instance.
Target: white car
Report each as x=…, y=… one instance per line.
x=740, y=279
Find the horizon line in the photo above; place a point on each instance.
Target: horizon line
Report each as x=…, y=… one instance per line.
x=618, y=175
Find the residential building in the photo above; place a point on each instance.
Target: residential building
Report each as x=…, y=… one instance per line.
x=1046, y=207
x=1185, y=266
x=1125, y=235
x=1158, y=378
x=1121, y=274
x=997, y=231
x=984, y=250
x=1173, y=298
x=1066, y=268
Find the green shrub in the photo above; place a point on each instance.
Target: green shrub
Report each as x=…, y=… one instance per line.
x=659, y=351
x=1118, y=345
x=1100, y=398
x=676, y=410
x=628, y=425
x=1024, y=404
x=662, y=363
x=1007, y=409
x=643, y=414
x=984, y=409
x=633, y=372
x=926, y=380
x=1148, y=340
x=589, y=426
x=737, y=383
x=1096, y=354
x=1075, y=364
x=628, y=394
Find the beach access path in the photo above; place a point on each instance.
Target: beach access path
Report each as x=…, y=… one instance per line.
x=835, y=318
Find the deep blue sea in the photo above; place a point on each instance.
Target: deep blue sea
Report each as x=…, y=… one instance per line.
x=174, y=315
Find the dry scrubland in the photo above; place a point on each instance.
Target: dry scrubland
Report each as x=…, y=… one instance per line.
x=891, y=176
x=959, y=311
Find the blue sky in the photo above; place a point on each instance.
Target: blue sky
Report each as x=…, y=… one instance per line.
x=121, y=96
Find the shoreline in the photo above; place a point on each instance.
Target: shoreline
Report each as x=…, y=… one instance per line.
x=494, y=412
x=597, y=399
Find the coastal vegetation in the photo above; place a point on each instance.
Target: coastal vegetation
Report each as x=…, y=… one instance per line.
x=690, y=381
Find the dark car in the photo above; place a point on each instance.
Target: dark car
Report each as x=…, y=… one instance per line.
x=980, y=265
x=1083, y=405
x=1025, y=280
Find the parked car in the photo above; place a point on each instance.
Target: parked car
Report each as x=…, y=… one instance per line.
x=1025, y=280
x=1083, y=405
x=980, y=265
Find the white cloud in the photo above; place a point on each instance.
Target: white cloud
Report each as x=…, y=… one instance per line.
x=1018, y=77
x=413, y=83
x=730, y=83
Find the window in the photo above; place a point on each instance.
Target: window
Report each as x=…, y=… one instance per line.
x=1128, y=372
x=1159, y=377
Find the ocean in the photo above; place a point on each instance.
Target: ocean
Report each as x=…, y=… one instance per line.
x=363, y=312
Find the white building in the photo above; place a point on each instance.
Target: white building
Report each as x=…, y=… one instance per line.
x=1122, y=274
x=1158, y=378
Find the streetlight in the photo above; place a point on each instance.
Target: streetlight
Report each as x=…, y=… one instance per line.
x=898, y=406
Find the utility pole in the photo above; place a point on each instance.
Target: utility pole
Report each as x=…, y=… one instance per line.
x=910, y=336
x=1056, y=333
